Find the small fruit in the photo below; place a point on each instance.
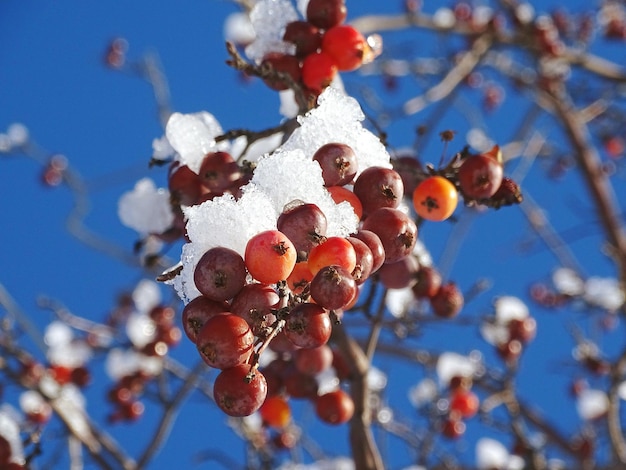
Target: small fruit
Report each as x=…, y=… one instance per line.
x=318, y=71
x=326, y=13
x=465, y=403
x=334, y=407
x=236, y=393
x=346, y=46
x=275, y=412
x=448, y=301
x=480, y=176
x=435, y=198
x=270, y=256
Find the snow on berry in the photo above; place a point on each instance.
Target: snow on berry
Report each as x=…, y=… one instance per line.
x=338, y=119
x=279, y=178
x=10, y=430
x=193, y=136
x=146, y=209
x=269, y=19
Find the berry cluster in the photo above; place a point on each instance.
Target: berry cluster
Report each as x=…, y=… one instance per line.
x=125, y=393
x=219, y=174
x=463, y=404
x=323, y=46
x=293, y=281
x=479, y=178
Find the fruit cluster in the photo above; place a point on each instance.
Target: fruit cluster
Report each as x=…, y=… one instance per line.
x=463, y=405
x=293, y=281
x=323, y=46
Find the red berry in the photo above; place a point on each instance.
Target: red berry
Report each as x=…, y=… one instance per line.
x=453, y=428
x=282, y=64
x=225, y=341
x=308, y=325
x=448, y=301
x=270, y=256
x=306, y=37
x=238, y=394
x=275, y=412
x=465, y=403
x=346, y=46
x=338, y=162
x=318, y=71
x=480, y=176
x=396, y=230
x=334, y=407
x=326, y=13
x=220, y=274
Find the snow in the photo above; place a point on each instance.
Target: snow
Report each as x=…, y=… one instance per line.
x=57, y=334
x=146, y=209
x=452, y=364
x=280, y=177
x=122, y=362
x=269, y=19
x=398, y=301
x=492, y=454
x=604, y=293
x=338, y=119
x=146, y=295
x=592, y=404
x=423, y=392
x=192, y=136
x=10, y=430
x=567, y=282
x=510, y=308
x=17, y=134
x=140, y=329
x=238, y=29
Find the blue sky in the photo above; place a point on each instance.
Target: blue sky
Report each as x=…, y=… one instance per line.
x=53, y=80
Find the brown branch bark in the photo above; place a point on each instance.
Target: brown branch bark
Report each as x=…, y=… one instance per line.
x=364, y=449
x=600, y=188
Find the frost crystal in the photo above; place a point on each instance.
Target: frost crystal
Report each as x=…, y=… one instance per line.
x=193, y=136
x=269, y=19
x=146, y=209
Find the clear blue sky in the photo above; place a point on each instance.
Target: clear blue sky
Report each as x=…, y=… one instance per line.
x=52, y=79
